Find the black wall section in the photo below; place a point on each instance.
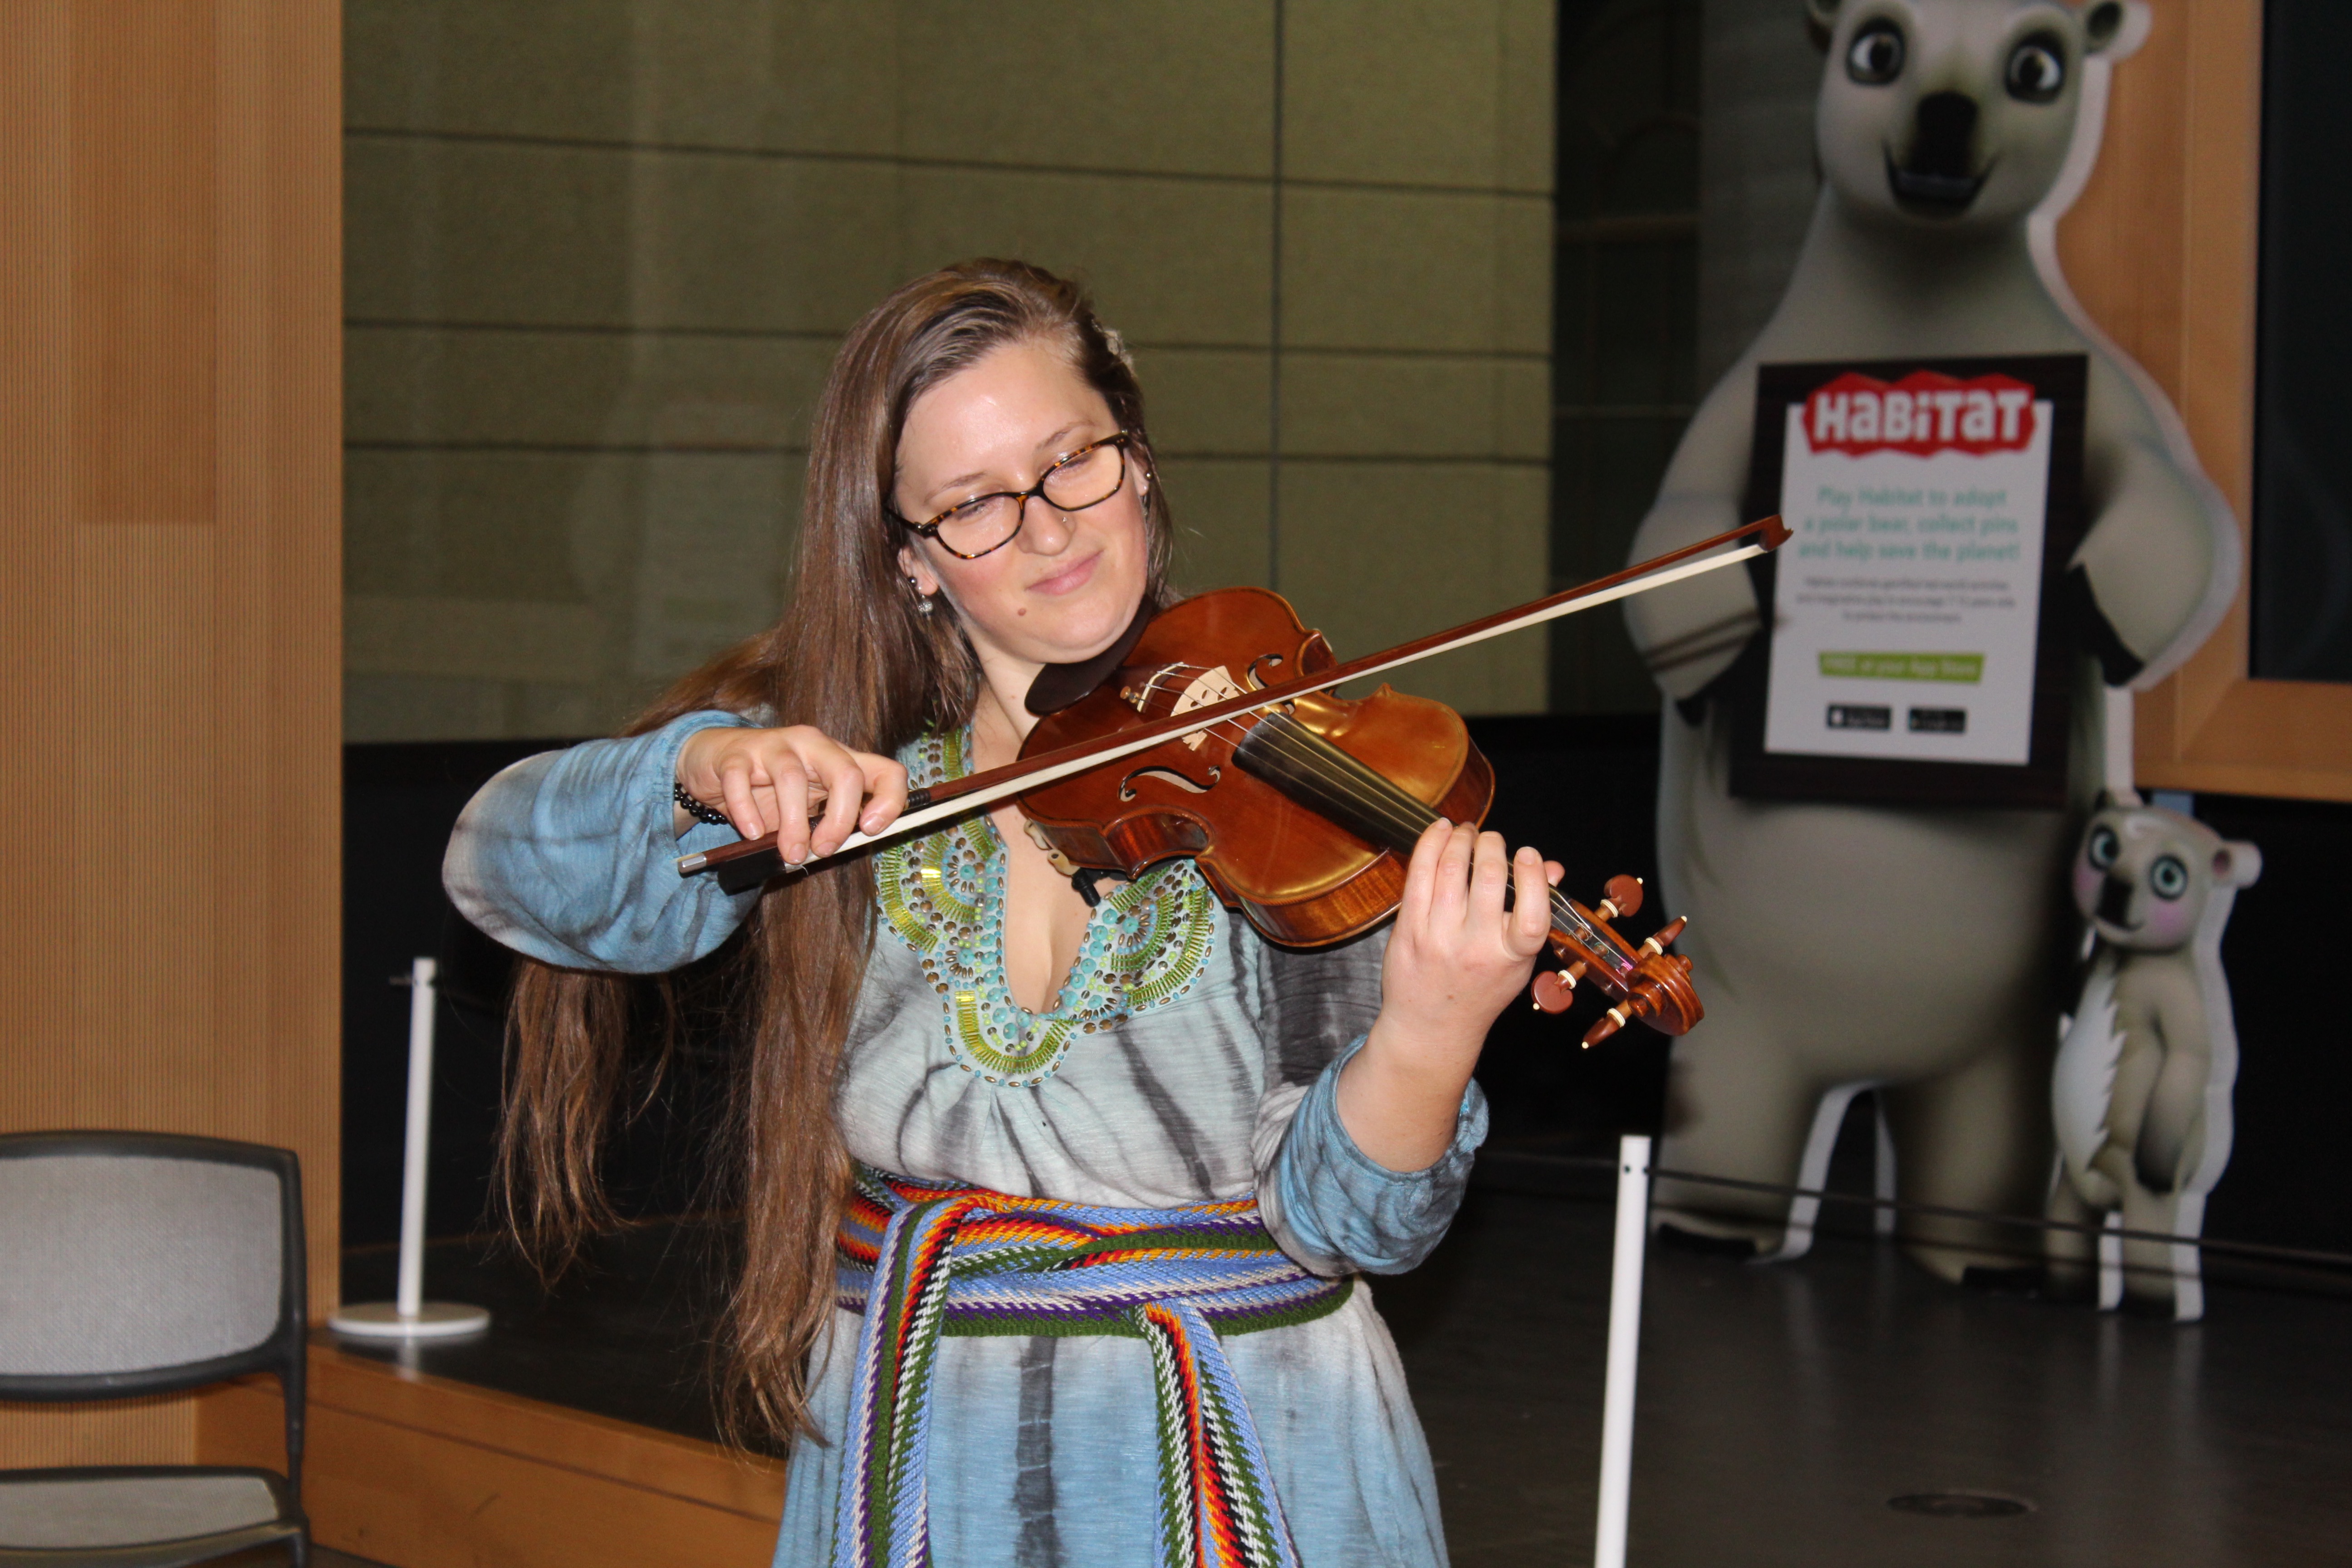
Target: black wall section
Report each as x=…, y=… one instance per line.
x=400, y=801
x=1581, y=789
x=399, y=804
x=2303, y=469
x=1625, y=303
x=2284, y=953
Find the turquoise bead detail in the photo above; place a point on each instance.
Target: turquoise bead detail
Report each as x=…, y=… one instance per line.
x=943, y=896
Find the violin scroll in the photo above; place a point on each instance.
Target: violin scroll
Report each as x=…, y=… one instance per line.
x=1645, y=981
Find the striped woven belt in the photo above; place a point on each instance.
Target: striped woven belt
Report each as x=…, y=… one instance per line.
x=963, y=1260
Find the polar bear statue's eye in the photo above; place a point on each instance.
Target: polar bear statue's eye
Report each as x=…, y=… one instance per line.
x=2169, y=877
x=1875, y=57
x=2037, y=69
x=2104, y=847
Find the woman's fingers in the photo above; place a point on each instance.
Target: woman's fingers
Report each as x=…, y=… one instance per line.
x=772, y=780
x=738, y=796
x=1420, y=876
x=1525, y=925
x=792, y=807
x=845, y=793
x=886, y=790
x=1449, y=899
x=1458, y=956
x=1490, y=873
x=1454, y=888
x=1530, y=916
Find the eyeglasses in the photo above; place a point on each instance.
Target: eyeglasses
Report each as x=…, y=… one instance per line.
x=1087, y=477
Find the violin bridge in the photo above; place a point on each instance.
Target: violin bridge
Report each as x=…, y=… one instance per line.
x=1209, y=686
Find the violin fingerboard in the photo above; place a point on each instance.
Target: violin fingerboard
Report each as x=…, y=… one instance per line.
x=1310, y=769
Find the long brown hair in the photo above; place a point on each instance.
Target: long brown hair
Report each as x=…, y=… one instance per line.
x=852, y=657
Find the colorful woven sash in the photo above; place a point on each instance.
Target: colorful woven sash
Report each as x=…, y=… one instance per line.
x=954, y=1260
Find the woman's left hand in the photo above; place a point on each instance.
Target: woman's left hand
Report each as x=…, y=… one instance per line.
x=1455, y=959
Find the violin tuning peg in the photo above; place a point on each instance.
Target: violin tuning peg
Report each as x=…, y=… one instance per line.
x=1665, y=939
x=1608, y=1024
x=1554, y=991
x=1622, y=896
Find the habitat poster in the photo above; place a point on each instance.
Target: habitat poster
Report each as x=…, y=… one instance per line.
x=1908, y=603
x=1918, y=646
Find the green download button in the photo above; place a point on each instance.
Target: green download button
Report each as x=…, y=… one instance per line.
x=1967, y=668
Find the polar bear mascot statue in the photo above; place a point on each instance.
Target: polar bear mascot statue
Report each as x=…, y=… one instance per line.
x=1922, y=952
x=2145, y=1063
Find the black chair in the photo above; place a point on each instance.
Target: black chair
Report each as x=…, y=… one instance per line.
x=135, y=1263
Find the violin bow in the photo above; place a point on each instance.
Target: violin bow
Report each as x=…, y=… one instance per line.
x=748, y=862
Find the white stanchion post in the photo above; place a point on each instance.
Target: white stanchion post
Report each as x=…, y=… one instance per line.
x=422, y=998
x=1624, y=1350
x=409, y=1315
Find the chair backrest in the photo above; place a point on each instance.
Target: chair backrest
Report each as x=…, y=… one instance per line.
x=140, y=1262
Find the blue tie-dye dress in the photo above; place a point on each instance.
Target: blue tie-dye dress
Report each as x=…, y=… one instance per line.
x=1185, y=1060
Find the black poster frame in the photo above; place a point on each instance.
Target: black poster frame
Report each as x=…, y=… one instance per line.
x=2039, y=782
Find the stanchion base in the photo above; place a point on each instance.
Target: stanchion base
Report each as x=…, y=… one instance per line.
x=433, y=1320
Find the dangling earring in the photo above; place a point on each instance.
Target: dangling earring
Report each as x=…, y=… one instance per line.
x=922, y=601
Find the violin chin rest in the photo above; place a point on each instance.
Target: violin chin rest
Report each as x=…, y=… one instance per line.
x=1059, y=686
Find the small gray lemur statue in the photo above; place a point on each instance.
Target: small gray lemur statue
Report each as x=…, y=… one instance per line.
x=2141, y=1091
x=1922, y=952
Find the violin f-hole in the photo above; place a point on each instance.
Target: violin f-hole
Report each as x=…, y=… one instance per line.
x=1127, y=784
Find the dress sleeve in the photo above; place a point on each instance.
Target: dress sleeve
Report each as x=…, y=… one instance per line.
x=1331, y=1206
x=568, y=856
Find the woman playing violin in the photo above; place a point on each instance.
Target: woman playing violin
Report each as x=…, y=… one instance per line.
x=1055, y=1209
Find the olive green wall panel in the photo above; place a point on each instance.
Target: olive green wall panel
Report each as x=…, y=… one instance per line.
x=599, y=253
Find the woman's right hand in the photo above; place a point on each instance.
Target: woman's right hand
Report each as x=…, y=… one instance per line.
x=769, y=781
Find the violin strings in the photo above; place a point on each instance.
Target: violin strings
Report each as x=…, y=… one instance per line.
x=1391, y=806
x=1391, y=809
x=1398, y=810
x=1401, y=810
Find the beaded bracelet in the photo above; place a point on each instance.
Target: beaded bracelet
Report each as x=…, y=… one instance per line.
x=696, y=809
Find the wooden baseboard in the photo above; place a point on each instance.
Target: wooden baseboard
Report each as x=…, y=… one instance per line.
x=420, y=1472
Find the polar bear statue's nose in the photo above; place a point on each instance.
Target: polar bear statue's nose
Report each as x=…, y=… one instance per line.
x=2116, y=902
x=1939, y=179
x=1944, y=146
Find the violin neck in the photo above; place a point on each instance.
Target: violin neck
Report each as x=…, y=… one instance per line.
x=1317, y=775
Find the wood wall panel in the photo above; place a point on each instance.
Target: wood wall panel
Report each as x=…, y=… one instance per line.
x=2161, y=250
x=160, y=1431
x=140, y=964
x=407, y=1469
x=2120, y=242
x=141, y=139
x=170, y=596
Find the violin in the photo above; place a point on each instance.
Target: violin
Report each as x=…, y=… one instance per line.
x=1300, y=807
x=1303, y=815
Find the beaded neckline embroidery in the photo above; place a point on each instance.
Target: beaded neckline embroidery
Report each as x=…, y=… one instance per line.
x=944, y=897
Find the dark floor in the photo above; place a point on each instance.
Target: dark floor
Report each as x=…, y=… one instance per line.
x=1779, y=1409
x=626, y=1334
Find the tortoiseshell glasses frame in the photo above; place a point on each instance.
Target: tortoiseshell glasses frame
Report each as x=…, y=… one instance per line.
x=1079, y=479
